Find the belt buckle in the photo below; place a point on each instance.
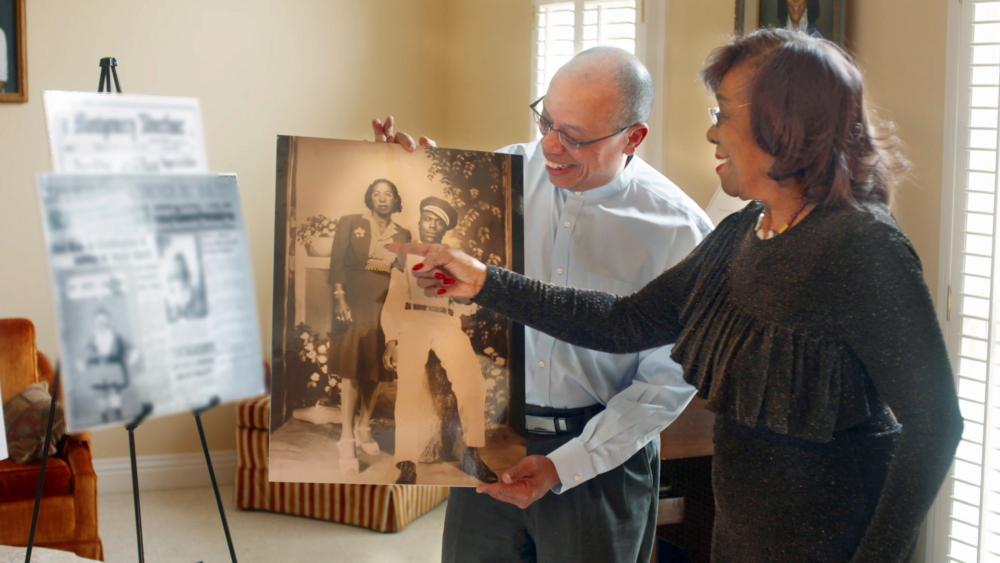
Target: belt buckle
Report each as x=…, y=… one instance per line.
x=540, y=424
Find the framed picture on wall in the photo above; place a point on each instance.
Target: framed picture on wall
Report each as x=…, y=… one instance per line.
x=13, y=61
x=374, y=381
x=826, y=18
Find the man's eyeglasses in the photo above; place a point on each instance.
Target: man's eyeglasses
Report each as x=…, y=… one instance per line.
x=545, y=125
x=713, y=115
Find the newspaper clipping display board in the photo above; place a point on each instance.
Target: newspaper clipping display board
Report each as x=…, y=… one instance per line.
x=373, y=381
x=132, y=134
x=154, y=294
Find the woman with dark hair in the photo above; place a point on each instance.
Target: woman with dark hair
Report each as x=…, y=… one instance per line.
x=359, y=274
x=803, y=319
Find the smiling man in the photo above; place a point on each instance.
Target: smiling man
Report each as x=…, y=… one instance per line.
x=598, y=217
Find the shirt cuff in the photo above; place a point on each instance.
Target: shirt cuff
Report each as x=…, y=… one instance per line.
x=573, y=464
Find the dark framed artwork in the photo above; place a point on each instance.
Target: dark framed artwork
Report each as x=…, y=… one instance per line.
x=13, y=60
x=825, y=18
x=426, y=380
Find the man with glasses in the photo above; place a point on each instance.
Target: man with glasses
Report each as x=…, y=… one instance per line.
x=598, y=217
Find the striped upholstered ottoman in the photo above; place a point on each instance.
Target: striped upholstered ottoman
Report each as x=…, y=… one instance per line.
x=383, y=508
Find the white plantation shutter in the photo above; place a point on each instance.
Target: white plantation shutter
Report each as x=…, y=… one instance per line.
x=609, y=22
x=967, y=523
x=563, y=29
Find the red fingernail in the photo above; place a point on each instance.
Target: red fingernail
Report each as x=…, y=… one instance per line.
x=438, y=276
x=449, y=281
x=442, y=291
x=418, y=267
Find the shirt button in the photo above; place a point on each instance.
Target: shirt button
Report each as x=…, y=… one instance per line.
x=560, y=271
x=541, y=363
x=577, y=478
x=567, y=224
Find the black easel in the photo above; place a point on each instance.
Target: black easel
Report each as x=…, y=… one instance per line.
x=45, y=464
x=108, y=72
x=147, y=409
x=211, y=472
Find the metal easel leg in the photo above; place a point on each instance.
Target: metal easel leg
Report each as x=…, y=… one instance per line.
x=211, y=474
x=45, y=464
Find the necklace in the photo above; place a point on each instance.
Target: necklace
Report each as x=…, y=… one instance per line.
x=765, y=234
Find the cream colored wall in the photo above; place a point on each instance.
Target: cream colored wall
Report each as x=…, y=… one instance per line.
x=693, y=30
x=259, y=67
x=904, y=66
x=488, y=73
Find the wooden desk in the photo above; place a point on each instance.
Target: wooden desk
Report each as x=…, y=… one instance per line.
x=689, y=512
x=690, y=435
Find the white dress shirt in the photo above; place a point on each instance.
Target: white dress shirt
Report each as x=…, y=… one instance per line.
x=614, y=238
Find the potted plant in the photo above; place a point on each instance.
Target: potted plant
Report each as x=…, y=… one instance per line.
x=316, y=234
x=320, y=391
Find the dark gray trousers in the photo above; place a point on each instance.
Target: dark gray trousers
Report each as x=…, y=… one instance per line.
x=609, y=519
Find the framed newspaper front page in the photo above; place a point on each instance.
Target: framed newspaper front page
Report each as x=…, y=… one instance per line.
x=154, y=294
x=373, y=381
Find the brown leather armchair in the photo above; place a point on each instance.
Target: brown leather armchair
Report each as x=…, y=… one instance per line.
x=68, y=516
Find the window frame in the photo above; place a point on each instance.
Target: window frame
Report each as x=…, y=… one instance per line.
x=955, y=162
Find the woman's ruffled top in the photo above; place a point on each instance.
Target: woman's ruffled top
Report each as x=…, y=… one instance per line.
x=748, y=349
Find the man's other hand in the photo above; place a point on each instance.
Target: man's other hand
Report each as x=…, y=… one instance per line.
x=524, y=483
x=385, y=132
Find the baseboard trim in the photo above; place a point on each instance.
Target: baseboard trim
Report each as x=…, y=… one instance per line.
x=166, y=471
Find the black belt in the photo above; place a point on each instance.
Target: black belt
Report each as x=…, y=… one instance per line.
x=544, y=420
x=419, y=307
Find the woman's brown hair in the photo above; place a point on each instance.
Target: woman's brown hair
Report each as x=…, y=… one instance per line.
x=807, y=110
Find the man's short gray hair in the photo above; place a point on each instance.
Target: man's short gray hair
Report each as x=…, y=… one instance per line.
x=634, y=82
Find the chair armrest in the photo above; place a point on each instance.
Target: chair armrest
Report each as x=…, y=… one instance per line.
x=77, y=452
x=76, y=449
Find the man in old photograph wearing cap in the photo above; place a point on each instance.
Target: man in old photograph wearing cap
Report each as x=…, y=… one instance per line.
x=415, y=325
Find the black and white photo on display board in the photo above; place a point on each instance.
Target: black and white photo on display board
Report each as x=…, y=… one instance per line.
x=375, y=382
x=181, y=267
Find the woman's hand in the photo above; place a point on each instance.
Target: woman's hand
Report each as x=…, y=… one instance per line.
x=444, y=271
x=341, y=311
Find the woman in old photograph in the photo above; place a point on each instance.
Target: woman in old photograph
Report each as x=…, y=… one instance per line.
x=803, y=319
x=185, y=295
x=359, y=276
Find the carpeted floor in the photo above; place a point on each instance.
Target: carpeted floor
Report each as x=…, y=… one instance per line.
x=183, y=525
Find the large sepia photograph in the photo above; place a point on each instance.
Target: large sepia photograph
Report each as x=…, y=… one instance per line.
x=374, y=382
